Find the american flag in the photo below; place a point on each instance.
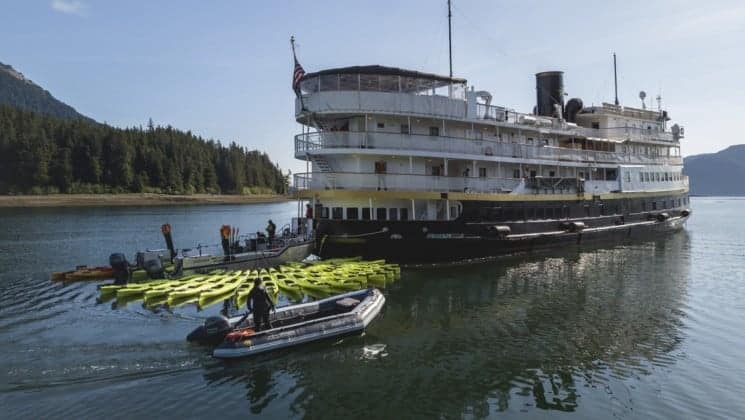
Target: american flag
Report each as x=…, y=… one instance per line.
x=297, y=75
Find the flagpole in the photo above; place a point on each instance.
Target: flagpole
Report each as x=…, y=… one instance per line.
x=294, y=57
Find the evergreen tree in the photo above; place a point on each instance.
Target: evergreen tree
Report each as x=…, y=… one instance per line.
x=42, y=153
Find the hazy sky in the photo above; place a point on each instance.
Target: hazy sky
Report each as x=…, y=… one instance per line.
x=222, y=69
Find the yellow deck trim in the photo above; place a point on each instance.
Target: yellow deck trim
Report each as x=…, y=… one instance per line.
x=459, y=196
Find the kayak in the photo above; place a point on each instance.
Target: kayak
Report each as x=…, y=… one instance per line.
x=84, y=273
x=241, y=294
x=181, y=294
x=220, y=289
x=292, y=325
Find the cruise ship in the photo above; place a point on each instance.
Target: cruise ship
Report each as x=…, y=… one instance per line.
x=418, y=167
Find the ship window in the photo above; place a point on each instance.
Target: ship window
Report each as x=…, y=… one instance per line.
x=435, y=171
x=602, y=209
x=434, y=131
x=530, y=140
x=366, y=213
x=389, y=83
x=404, y=128
x=654, y=205
x=596, y=125
x=393, y=214
x=516, y=173
x=610, y=175
x=352, y=213
x=381, y=213
x=404, y=213
x=381, y=125
x=408, y=84
x=482, y=172
x=349, y=82
x=532, y=174
x=309, y=85
x=587, y=210
x=325, y=213
x=337, y=212
x=646, y=176
x=369, y=82
x=641, y=177
x=329, y=82
x=644, y=205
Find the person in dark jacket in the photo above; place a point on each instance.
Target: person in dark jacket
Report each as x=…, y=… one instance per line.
x=271, y=228
x=260, y=304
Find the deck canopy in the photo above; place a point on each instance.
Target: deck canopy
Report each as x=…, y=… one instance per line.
x=382, y=79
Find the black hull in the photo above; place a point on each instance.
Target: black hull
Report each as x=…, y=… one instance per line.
x=429, y=250
x=488, y=229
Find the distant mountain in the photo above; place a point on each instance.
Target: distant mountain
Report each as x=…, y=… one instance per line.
x=721, y=173
x=19, y=92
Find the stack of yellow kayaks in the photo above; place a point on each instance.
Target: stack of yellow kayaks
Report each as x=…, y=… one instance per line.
x=317, y=279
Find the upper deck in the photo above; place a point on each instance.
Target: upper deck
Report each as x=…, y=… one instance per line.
x=366, y=90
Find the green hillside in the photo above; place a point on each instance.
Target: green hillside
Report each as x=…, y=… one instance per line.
x=721, y=173
x=19, y=92
x=44, y=154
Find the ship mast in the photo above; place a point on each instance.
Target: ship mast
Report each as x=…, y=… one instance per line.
x=450, y=39
x=615, y=77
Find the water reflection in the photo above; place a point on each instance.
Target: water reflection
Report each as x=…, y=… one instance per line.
x=517, y=334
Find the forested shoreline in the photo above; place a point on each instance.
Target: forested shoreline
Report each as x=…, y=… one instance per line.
x=44, y=155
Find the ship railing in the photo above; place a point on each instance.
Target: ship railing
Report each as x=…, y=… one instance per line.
x=309, y=142
x=510, y=116
x=354, y=82
x=403, y=182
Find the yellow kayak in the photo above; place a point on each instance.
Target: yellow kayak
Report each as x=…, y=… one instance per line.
x=220, y=289
x=192, y=289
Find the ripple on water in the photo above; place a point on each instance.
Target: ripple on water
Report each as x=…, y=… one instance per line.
x=640, y=330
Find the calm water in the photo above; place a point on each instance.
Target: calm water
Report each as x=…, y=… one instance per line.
x=645, y=330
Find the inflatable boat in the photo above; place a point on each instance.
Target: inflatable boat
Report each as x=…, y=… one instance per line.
x=345, y=314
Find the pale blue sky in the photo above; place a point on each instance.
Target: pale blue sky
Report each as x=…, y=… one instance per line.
x=222, y=69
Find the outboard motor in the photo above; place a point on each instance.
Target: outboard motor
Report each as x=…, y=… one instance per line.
x=122, y=272
x=213, y=331
x=154, y=268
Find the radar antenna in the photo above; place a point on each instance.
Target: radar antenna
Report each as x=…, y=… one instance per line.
x=643, y=95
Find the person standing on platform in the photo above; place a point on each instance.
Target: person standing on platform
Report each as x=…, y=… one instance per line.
x=271, y=228
x=259, y=303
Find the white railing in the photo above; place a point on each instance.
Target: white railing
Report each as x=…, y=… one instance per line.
x=365, y=181
x=502, y=114
x=308, y=142
x=402, y=182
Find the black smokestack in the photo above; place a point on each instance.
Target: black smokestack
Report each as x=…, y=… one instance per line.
x=549, y=93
